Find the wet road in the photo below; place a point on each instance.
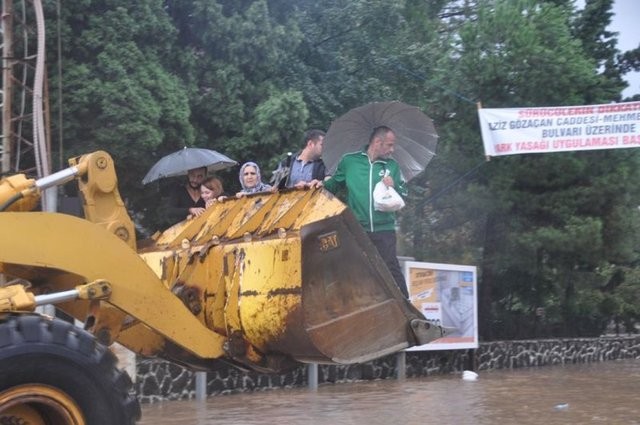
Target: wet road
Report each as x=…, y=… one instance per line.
x=600, y=393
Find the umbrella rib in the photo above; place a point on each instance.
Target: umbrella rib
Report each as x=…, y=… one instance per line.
x=180, y=162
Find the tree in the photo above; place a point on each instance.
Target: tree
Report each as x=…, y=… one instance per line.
x=117, y=94
x=590, y=26
x=240, y=99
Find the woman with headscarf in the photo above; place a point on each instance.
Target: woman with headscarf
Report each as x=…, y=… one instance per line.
x=251, y=179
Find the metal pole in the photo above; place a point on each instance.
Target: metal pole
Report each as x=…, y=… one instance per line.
x=312, y=373
x=45, y=303
x=57, y=297
x=58, y=178
x=201, y=386
x=7, y=86
x=401, y=365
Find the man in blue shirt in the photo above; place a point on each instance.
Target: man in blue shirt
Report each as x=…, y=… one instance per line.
x=306, y=165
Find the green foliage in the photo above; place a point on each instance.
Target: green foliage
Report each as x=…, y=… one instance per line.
x=117, y=94
x=274, y=126
x=241, y=102
x=590, y=27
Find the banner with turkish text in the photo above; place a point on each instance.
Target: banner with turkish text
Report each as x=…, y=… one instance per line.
x=511, y=131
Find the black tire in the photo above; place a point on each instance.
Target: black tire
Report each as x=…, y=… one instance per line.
x=55, y=354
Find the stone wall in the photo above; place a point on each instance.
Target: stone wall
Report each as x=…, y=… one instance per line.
x=159, y=380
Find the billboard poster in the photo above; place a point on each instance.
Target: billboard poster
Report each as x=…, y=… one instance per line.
x=446, y=294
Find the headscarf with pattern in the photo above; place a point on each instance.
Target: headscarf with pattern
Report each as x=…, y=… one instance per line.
x=260, y=186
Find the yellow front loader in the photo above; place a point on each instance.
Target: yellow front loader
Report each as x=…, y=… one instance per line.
x=262, y=282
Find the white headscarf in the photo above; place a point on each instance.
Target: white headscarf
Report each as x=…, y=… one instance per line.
x=259, y=187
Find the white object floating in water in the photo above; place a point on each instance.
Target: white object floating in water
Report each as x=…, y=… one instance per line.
x=561, y=406
x=469, y=375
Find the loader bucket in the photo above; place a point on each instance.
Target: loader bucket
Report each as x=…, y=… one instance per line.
x=288, y=274
x=351, y=309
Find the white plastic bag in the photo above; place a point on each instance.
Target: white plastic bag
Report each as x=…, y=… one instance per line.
x=386, y=198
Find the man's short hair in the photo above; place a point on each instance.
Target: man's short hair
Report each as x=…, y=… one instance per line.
x=198, y=169
x=313, y=134
x=379, y=131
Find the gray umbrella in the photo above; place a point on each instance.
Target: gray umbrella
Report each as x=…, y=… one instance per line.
x=180, y=162
x=416, y=137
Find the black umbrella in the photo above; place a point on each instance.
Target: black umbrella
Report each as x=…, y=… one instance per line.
x=180, y=162
x=416, y=136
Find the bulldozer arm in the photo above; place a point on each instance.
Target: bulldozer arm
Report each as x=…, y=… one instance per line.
x=56, y=252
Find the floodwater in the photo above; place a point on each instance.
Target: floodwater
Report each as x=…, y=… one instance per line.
x=596, y=393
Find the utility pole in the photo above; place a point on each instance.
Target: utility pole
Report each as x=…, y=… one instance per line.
x=7, y=86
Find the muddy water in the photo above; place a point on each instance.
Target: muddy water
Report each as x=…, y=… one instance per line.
x=600, y=393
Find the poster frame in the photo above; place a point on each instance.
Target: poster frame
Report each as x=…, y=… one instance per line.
x=446, y=343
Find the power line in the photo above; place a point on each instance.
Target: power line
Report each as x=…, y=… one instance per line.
x=421, y=77
x=450, y=185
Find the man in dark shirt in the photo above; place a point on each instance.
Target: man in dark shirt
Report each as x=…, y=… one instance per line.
x=185, y=199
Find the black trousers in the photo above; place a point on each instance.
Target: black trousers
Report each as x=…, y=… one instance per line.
x=385, y=242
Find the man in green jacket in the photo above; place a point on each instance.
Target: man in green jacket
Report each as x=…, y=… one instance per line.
x=358, y=173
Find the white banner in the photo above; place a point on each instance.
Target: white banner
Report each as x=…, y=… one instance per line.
x=513, y=131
